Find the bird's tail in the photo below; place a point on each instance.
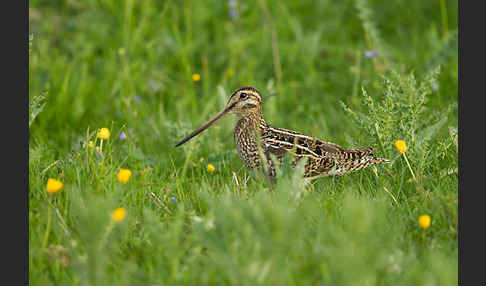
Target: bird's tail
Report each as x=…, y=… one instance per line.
x=363, y=157
x=375, y=160
x=367, y=154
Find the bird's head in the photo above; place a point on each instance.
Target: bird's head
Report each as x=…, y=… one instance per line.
x=243, y=101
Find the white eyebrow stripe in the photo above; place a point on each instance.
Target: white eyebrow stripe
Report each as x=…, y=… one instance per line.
x=253, y=93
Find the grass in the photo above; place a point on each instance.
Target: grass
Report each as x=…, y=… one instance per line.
x=128, y=66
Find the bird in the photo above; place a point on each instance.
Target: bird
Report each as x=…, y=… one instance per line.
x=257, y=142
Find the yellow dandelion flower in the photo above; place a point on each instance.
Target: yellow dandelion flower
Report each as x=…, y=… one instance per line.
x=121, y=52
x=196, y=77
x=54, y=186
x=91, y=144
x=103, y=133
x=211, y=168
x=124, y=175
x=401, y=146
x=119, y=215
x=424, y=221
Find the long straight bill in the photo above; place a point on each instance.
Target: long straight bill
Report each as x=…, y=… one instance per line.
x=203, y=127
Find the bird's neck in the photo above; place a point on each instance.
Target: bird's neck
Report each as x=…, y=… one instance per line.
x=252, y=120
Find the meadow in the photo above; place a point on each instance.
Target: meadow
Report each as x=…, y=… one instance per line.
x=352, y=72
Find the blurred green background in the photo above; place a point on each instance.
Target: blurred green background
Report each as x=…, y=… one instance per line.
x=130, y=61
x=129, y=65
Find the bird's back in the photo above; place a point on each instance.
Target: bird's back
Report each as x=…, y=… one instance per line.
x=324, y=158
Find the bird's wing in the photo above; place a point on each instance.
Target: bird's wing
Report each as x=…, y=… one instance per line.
x=278, y=139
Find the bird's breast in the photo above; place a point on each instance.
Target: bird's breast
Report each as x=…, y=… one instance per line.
x=246, y=143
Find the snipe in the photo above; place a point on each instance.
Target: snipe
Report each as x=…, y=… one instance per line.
x=251, y=132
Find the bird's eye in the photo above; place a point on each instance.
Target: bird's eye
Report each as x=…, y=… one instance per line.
x=243, y=96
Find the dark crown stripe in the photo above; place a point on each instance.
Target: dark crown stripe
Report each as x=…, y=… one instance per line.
x=247, y=88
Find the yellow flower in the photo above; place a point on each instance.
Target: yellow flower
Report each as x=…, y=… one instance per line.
x=121, y=51
x=424, y=221
x=124, y=175
x=211, y=168
x=401, y=146
x=91, y=144
x=104, y=133
x=119, y=215
x=53, y=186
x=196, y=77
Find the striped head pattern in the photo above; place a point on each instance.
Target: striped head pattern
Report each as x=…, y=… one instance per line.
x=243, y=101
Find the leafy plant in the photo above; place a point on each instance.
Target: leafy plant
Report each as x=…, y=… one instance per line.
x=36, y=105
x=402, y=113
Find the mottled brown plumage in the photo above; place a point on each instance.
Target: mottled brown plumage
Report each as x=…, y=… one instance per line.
x=256, y=141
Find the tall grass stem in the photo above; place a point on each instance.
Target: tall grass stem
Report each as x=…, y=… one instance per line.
x=48, y=226
x=409, y=167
